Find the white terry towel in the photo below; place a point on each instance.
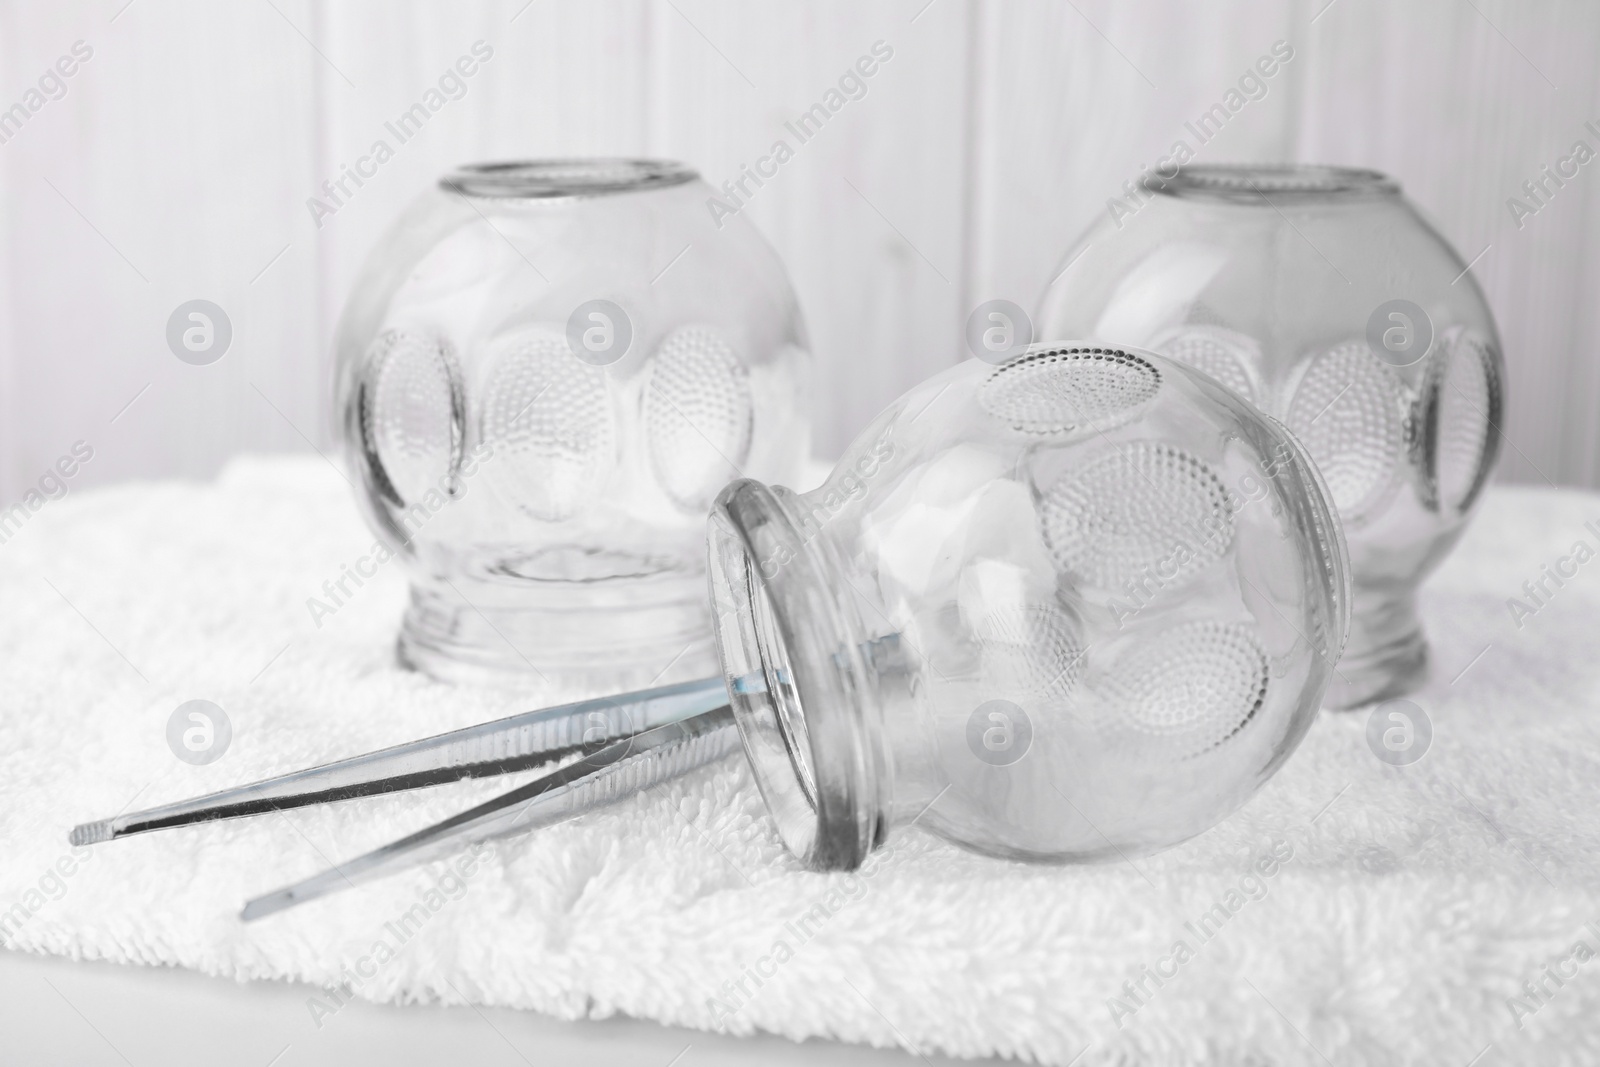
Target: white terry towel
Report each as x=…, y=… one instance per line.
x=1420, y=914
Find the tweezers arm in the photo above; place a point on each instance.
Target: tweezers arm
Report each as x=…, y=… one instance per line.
x=500, y=747
x=614, y=773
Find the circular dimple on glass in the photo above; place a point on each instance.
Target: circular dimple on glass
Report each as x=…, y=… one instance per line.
x=1229, y=357
x=1182, y=692
x=411, y=412
x=549, y=419
x=1462, y=395
x=1032, y=650
x=1070, y=390
x=1345, y=410
x=1144, y=511
x=697, y=415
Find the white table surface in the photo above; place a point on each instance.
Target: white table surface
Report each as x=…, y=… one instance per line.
x=89, y=1014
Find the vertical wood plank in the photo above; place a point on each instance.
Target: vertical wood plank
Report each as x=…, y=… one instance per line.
x=566, y=79
x=166, y=172
x=1077, y=99
x=1463, y=103
x=179, y=161
x=868, y=214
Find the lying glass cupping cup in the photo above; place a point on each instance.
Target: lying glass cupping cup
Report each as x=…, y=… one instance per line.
x=1075, y=607
x=1284, y=284
x=543, y=464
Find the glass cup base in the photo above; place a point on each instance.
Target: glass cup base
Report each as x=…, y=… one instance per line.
x=480, y=636
x=1397, y=668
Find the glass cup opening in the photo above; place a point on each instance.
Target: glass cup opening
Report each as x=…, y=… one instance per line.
x=799, y=683
x=1249, y=183
x=552, y=178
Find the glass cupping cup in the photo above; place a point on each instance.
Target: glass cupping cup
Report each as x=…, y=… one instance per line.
x=1076, y=606
x=1322, y=296
x=546, y=371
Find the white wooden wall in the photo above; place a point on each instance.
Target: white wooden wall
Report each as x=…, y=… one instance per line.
x=179, y=161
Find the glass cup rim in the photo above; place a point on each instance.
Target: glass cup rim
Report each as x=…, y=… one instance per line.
x=563, y=178
x=1254, y=183
x=827, y=791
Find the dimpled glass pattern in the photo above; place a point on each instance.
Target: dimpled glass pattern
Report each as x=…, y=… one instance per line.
x=546, y=372
x=411, y=381
x=1116, y=516
x=1187, y=694
x=1320, y=295
x=1074, y=607
x=551, y=422
x=1038, y=395
x=697, y=413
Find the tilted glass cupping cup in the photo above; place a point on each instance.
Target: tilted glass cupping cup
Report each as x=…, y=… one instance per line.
x=545, y=374
x=1078, y=606
x=1321, y=295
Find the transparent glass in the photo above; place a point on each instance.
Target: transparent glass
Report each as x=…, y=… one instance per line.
x=1074, y=607
x=1321, y=295
x=546, y=372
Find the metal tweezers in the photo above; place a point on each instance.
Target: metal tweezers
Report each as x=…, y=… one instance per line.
x=626, y=744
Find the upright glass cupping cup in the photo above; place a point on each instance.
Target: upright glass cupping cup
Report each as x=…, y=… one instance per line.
x=1076, y=606
x=546, y=372
x=1322, y=296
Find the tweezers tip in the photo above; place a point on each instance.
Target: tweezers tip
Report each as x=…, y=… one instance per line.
x=92, y=833
x=261, y=907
